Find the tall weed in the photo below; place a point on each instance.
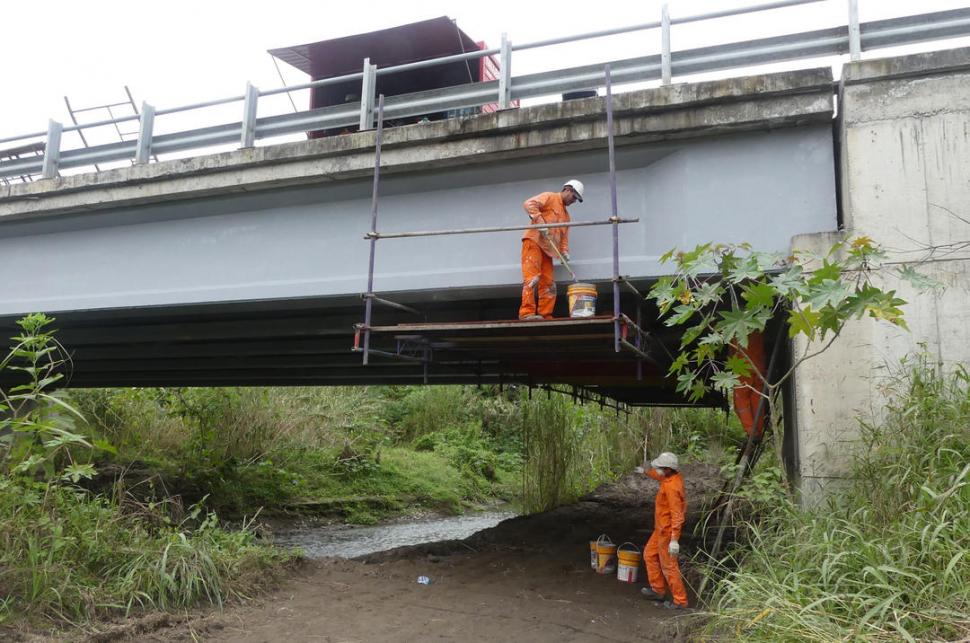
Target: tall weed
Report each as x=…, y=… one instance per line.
x=68, y=556
x=570, y=449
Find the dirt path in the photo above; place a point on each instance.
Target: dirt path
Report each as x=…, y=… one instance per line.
x=528, y=579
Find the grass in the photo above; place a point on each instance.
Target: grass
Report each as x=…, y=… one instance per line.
x=67, y=556
x=571, y=449
x=887, y=560
x=359, y=454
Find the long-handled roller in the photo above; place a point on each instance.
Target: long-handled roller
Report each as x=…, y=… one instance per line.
x=562, y=259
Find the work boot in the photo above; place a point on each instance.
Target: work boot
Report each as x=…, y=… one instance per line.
x=648, y=592
x=532, y=318
x=670, y=605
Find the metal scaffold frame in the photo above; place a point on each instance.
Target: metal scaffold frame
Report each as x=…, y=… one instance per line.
x=411, y=348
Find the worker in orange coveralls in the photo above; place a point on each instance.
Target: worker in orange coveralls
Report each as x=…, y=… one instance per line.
x=538, y=251
x=746, y=395
x=663, y=548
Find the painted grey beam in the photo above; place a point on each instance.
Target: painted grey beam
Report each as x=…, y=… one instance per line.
x=763, y=187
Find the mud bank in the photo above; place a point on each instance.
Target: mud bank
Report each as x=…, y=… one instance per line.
x=527, y=579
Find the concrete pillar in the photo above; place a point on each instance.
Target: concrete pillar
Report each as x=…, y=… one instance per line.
x=904, y=147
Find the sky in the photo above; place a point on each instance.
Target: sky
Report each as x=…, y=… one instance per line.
x=181, y=51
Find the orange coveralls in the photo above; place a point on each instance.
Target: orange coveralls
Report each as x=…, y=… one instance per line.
x=537, y=253
x=668, y=519
x=746, y=399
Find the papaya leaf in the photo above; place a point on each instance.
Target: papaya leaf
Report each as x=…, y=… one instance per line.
x=828, y=292
x=746, y=270
x=918, y=280
x=738, y=365
x=758, y=295
x=738, y=324
x=679, y=363
x=828, y=270
x=789, y=283
x=803, y=321
x=698, y=391
x=725, y=381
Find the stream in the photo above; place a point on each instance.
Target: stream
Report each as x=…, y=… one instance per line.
x=349, y=541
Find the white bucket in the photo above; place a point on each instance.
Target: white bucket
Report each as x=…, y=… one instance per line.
x=628, y=563
x=606, y=555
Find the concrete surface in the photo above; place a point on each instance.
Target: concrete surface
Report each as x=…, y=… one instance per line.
x=679, y=111
x=905, y=169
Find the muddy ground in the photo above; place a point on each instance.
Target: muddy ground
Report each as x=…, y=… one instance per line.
x=527, y=579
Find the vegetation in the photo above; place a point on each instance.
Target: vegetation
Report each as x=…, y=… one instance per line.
x=360, y=454
x=888, y=560
x=571, y=449
x=722, y=294
x=66, y=554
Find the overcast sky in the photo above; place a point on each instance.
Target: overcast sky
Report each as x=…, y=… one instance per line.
x=183, y=51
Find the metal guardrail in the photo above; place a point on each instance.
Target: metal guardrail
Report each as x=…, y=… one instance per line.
x=851, y=39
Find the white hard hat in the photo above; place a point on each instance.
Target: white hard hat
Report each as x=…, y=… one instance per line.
x=577, y=187
x=666, y=459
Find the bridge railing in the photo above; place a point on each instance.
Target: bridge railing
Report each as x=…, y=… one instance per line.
x=852, y=39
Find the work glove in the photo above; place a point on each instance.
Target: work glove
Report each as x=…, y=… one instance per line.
x=674, y=548
x=566, y=256
x=640, y=470
x=659, y=472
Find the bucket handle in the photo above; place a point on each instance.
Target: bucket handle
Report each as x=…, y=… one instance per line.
x=635, y=548
x=607, y=541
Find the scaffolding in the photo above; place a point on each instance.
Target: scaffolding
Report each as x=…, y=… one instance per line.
x=617, y=334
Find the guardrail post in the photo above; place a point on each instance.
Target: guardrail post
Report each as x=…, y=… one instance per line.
x=146, y=123
x=249, y=116
x=368, y=85
x=52, y=150
x=664, y=45
x=505, y=74
x=855, y=37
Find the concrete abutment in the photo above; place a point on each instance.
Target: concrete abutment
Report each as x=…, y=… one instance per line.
x=904, y=148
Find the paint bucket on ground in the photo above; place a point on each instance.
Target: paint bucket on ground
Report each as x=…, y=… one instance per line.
x=582, y=300
x=593, y=557
x=606, y=555
x=628, y=563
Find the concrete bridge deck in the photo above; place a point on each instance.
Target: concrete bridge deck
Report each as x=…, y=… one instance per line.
x=247, y=267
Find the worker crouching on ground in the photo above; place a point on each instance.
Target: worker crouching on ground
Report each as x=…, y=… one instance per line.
x=662, y=550
x=539, y=246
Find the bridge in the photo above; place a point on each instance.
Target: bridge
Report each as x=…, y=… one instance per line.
x=248, y=267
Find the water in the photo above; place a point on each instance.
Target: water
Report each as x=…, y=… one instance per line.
x=346, y=541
